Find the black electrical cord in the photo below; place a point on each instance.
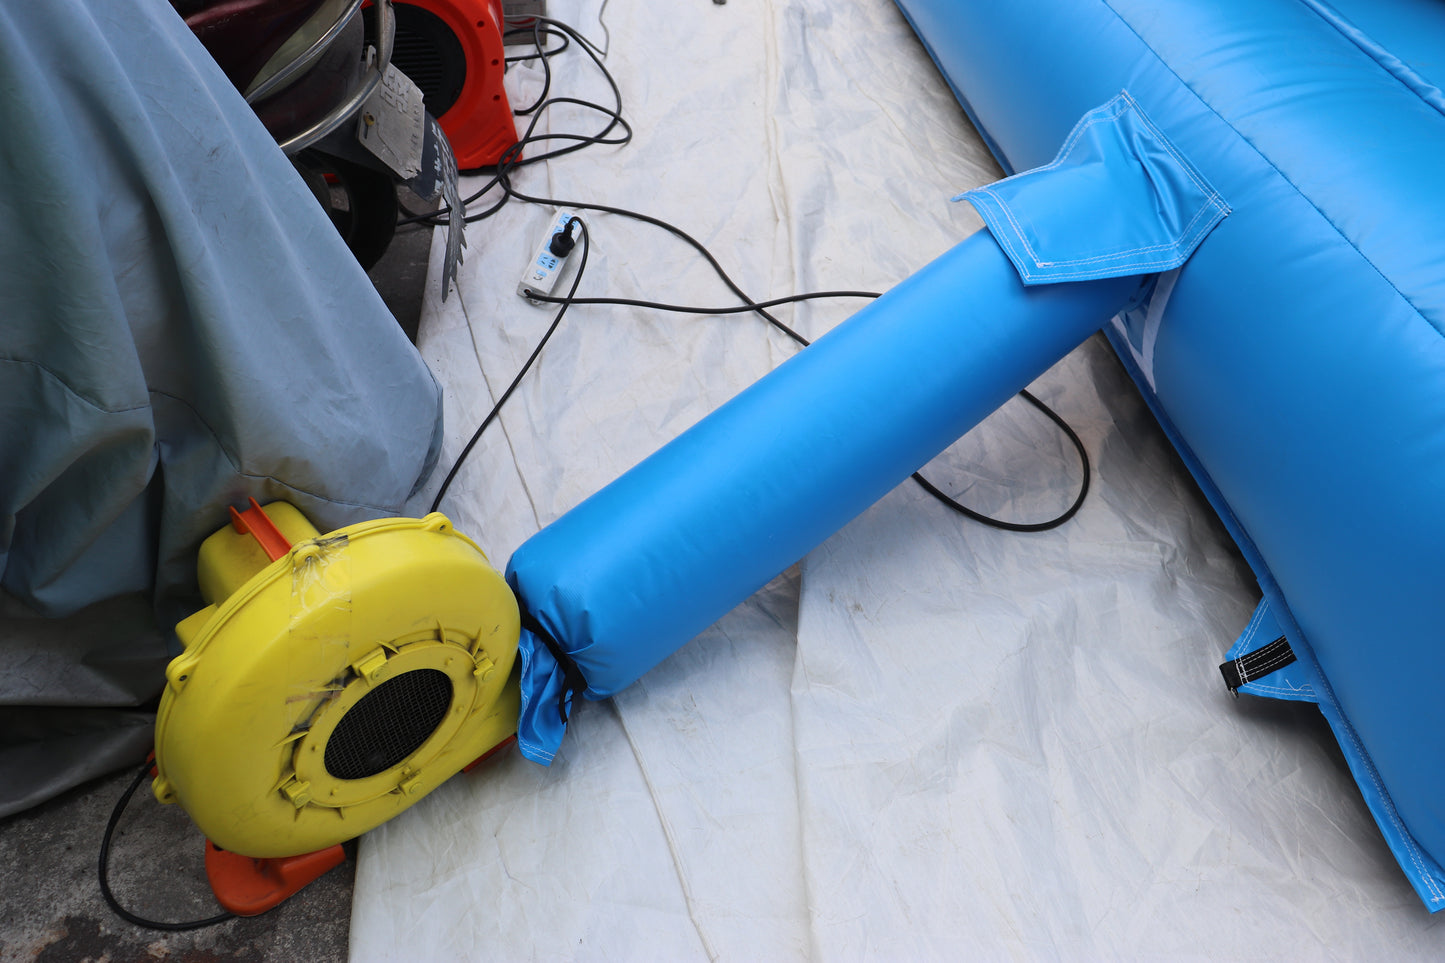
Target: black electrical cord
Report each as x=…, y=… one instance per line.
x=110, y=899
x=538, y=31
x=497, y=408
x=677, y=232
x=541, y=52
x=1008, y=526
x=513, y=159
x=927, y=485
x=510, y=161
x=606, y=34
x=685, y=309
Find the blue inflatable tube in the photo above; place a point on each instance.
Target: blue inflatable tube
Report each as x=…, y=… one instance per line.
x=625, y=578
x=1296, y=361
x=644, y=565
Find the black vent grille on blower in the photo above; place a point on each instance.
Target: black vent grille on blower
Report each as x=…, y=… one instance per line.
x=388, y=724
x=426, y=50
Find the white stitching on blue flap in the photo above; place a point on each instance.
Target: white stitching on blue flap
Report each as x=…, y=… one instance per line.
x=998, y=205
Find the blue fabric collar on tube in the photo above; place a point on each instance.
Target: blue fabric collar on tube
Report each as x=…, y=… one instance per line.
x=540, y=732
x=1165, y=207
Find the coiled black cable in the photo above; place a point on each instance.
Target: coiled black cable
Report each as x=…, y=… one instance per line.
x=104, y=868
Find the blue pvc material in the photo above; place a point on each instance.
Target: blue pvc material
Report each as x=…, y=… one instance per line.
x=650, y=561
x=1291, y=683
x=1101, y=158
x=637, y=570
x=1298, y=362
x=1402, y=36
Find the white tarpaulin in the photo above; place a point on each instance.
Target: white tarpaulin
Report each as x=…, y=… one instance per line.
x=1075, y=781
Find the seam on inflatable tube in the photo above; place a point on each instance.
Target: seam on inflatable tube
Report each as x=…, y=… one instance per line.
x=535, y=752
x=1120, y=105
x=1099, y=270
x=1304, y=694
x=1128, y=104
x=1212, y=202
x=1136, y=267
x=1401, y=72
x=1258, y=687
x=1277, y=662
x=1360, y=763
x=1282, y=175
x=1426, y=877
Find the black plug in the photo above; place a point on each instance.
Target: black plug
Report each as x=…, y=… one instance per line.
x=563, y=242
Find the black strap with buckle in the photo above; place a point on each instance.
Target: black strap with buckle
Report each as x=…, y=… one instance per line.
x=1257, y=664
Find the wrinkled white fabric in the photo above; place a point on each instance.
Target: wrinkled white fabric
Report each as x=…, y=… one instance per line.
x=1076, y=784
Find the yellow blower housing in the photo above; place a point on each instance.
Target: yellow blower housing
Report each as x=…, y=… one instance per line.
x=322, y=693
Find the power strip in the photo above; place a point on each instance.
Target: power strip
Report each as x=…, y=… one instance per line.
x=546, y=266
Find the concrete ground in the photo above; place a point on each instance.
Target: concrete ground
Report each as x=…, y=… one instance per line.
x=51, y=909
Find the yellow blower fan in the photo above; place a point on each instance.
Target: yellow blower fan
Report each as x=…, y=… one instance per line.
x=332, y=682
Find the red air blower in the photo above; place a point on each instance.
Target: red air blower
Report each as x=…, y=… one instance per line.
x=452, y=50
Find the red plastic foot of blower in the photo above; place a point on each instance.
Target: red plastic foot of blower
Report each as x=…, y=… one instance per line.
x=506, y=743
x=248, y=886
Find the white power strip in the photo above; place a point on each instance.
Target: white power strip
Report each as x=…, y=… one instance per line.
x=546, y=266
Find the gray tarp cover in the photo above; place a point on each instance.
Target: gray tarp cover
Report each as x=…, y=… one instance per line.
x=180, y=328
